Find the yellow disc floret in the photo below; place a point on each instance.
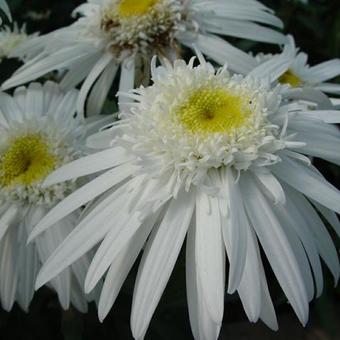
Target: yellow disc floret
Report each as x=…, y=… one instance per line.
x=129, y=8
x=289, y=77
x=26, y=161
x=211, y=110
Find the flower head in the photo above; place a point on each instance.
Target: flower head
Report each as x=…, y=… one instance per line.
x=113, y=34
x=298, y=74
x=39, y=133
x=218, y=158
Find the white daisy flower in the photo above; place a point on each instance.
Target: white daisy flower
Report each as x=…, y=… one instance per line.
x=218, y=158
x=299, y=73
x=4, y=7
x=125, y=34
x=12, y=38
x=38, y=133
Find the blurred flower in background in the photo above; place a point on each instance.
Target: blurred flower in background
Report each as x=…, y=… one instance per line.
x=13, y=37
x=112, y=35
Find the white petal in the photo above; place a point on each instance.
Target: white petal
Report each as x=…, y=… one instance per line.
x=96, y=71
x=276, y=247
x=223, y=53
x=158, y=261
x=81, y=196
x=322, y=238
x=210, y=255
x=307, y=180
x=271, y=186
x=120, y=234
x=101, y=89
x=119, y=269
x=202, y=325
x=8, y=269
x=89, y=232
x=7, y=217
x=234, y=228
x=96, y=162
x=250, y=285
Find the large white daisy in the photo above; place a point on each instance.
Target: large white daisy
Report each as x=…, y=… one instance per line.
x=220, y=159
x=38, y=133
x=125, y=34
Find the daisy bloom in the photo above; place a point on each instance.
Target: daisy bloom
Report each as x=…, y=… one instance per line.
x=124, y=34
x=38, y=133
x=218, y=160
x=11, y=38
x=299, y=73
x=4, y=7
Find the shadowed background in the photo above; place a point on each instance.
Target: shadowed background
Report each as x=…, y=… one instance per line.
x=316, y=28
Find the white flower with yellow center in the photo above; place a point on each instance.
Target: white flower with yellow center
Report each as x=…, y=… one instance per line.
x=218, y=158
x=12, y=38
x=125, y=34
x=38, y=133
x=298, y=74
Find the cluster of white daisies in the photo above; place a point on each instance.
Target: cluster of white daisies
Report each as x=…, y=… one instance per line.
x=217, y=158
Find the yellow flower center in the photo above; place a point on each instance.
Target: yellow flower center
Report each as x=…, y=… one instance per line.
x=129, y=8
x=210, y=110
x=26, y=161
x=289, y=77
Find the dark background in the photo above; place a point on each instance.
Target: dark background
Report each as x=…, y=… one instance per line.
x=316, y=28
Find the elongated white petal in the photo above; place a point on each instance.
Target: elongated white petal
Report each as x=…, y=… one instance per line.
x=5, y=8
x=324, y=71
x=121, y=233
x=321, y=236
x=234, y=228
x=328, y=116
x=120, y=268
x=312, y=95
x=210, y=255
x=59, y=60
x=6, y=218
x=88, y=165
x=101, y=89
x=127, y=81
x=202, y=325
x=8, y=269
x=249, y=288
x=271, y=186
x=96, y=71
x=158, y=261
x=308, y=181
x=330, y=216
x=89, y=232
x=81, y=196
x=222, y=52
x=276, y=247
